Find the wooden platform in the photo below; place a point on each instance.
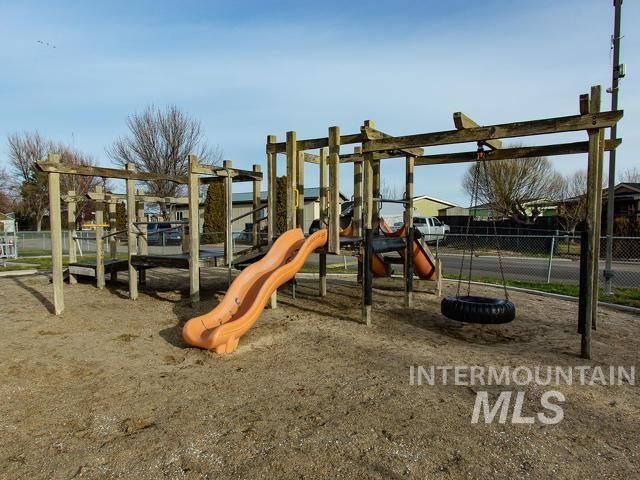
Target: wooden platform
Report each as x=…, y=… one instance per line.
x=88, y=269
x=179, y=260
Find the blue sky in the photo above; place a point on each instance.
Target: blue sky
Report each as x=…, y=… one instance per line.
x=253, y=68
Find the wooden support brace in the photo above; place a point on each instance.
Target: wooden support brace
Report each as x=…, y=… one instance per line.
x=357, y=195
x=408, y=222
x=257, y=241
x=324, y=200
x=292, y=174
x=300, y=188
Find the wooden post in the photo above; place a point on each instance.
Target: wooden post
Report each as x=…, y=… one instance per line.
x=300, y=187
x=377, y=206
x=99, y=218
x=131, y=233
x=408, y=222
x=592, y=228
x=357, y=195
x=143, y=245
x=272, y=175
x=334, y=190
x=194, y=232
x=228, y=212
x=113, y=240
x=323, y=216
x=56, y=237
x=256, y=204
x=367, y=194
x=71, y=233
x=292, y=164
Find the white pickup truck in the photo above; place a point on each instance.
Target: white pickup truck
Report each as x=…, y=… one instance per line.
x=431, y=228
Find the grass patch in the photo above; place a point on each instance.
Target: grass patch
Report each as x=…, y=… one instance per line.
x=621, y=296
x=44, y=263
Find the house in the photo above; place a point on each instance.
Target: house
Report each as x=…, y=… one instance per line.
x=626, y=200
x=426, y=206
x=242, y=203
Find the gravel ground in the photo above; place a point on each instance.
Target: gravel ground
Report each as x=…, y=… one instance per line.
x=109, y=390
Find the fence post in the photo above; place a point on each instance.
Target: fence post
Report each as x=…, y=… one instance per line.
x=553, y=244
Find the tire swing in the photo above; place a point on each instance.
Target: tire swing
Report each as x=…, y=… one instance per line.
x=472, y=308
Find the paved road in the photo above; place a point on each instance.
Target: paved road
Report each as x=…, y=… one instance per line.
x=536, y=269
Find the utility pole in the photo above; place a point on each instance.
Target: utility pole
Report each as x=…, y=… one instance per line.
x=617, y=74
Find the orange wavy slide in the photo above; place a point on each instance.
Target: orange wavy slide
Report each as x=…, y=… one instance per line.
x=423, y=262
x=222, y=327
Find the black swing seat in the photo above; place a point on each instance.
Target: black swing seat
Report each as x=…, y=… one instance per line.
x=472, y=309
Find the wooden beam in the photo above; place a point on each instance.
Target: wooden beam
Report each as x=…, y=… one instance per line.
x=334, y=190
x=292, y=167
x=90, y=171
x=71, y=232
x=143, y=241
x=367, y=194
x=314, y=143
x=517, y=152
x=507, y=130
x=256, y=205
x=311, y=158
x=113, y=239
x=56, y=237
x=461, y=122
x=194, y=232
x=272, y=175
x=140, y=197
x=248, y=175
x=300, y=188
x=373, y=134
x=324, y=200
x=99, y=217
x=592, y=227
x=357, y=194
x=131, y=232
x=408, y=223
x=228, y=214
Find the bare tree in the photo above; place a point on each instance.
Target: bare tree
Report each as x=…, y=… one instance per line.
x=630, y=175
x=509, y=186
x=159, y=142
x=390, y=191
x=572, y=200
x=31, y=184
x=6, y=194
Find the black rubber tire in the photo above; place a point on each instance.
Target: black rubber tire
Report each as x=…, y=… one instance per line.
x=470, y=309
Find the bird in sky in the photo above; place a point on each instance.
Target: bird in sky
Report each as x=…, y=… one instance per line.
x=45, y=44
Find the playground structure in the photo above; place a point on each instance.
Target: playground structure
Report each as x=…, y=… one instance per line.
x=221, y=330
x=8, y=239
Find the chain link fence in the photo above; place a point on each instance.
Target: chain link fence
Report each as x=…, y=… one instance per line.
x=536, y=259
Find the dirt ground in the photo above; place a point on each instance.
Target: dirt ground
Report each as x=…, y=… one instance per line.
x=109, y=390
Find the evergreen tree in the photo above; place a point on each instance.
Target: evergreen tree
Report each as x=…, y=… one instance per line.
x=121, y=216
x=281, y=205
x=214, y=222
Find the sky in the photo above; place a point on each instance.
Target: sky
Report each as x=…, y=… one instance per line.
x=247, y=69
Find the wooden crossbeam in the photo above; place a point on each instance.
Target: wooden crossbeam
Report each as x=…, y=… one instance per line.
x=311, y=158
x=462, y=121
x=519, y=152
x=139, y=198
x=374, y=134
x=313, y=143
x=90, y=171
x=508, y=130
x=237, y=174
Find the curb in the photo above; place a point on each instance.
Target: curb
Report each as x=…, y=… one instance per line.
x=18, y=273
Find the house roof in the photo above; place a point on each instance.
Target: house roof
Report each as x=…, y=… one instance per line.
x=433, y=199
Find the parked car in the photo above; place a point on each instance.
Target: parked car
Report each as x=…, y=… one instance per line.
x=431, y=228
x=163, y=234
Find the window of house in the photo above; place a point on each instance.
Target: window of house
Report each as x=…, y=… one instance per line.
x=179, y=215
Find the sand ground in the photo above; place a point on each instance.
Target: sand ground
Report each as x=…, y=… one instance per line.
x=109, y=390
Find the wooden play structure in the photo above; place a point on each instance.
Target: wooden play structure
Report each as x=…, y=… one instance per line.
x=277, y=262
